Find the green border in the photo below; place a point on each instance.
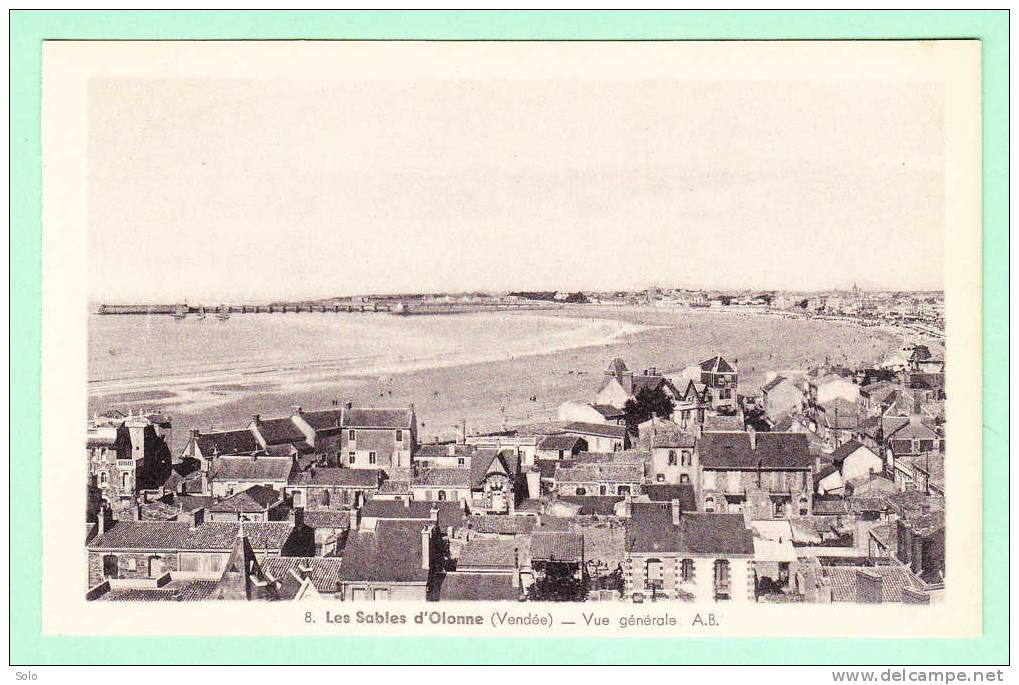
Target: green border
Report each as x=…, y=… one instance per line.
x=28, y=30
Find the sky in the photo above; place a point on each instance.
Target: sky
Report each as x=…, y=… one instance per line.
x=228, y=190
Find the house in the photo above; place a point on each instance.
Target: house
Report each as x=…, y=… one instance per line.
x=622, y=385
x=922, y=472
x=666, y=494
x=445, y=515
x=600, y=437
x=876, y=584
x=232, y=474
x=560, y=446
x=768, y=474
x=689, y=557
x=522, y=440
x=673, y=458
x=441, y=484
x=323, y=487
x=257, y=503
x=827, y=387
x=590, y=413
x=722, y=381
x=691, y=404
x=321, y=430
x=463, y=586
x=328, y=528
x=242, y=578
x=836, y=421
x=378, y=438
x=563, y=548
x=126, y=454
x=279, y=433
x=597, y=479
x=390, y=561
x=148, y=549
x=828, y=481
x=452, y=455
x=501, y=563
x=855, y=460
x=493, y=481
x=779, y=398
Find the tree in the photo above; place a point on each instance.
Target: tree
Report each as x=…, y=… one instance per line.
x=646, y=404
x=558, y=584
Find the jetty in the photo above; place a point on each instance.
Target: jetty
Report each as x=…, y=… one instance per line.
x=401, y=307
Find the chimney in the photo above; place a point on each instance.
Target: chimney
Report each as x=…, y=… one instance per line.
x=296, y=408
x=752, y=432
x=255, y=418
x=676, y=512
x=433, y=513
x=197, y=517
x=868, y=587
x=348, y=405
x=426, y=547
x=335, y=402
x=195, y=433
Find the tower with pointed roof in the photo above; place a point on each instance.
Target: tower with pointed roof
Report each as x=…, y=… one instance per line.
x=243, y=578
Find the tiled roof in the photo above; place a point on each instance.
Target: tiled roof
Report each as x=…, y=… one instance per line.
x=322, y=420
x=557, y=546
x=770, y=385
x=844, y=450
x=716, y=365
x=617, y=367
x=725, y=450
x=264, y=469
x=500, y=525
x=324, y=570
x=723, y=423
x=257, y=498
x=600, y=473
x=336, y=477
x=608, y=411
x=227, y=442
x=450, y=513
x=488, y=459
x=326, y=518
x=666, y=493
x=390, y=553
x=893, y=579
x=617, y=457
x=835, y=506
x=672, y=438
x=395, y=487
x=442, y=478
x=495, y=553
x=651, y=530
x=559, y=442
x=599, y=429
x=440, y=450
x=179, y=535
x=479, y=587
x=774, y=451
x=367, y=417
x=887, y=536
x=279, y=431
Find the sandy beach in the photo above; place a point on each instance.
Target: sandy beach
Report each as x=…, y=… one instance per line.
x=488, y=387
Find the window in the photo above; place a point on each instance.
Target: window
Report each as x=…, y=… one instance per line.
x=602, y=490
x=660, y=478
x=352, y=435
x=779, y=508
x=461, y=462
x=653, y=574
x=125, y=481
x=687, y=458
x=381, y=594
x=683, y=478
x=581, y=491
x=722, y=579
x=325, y=498
x=371, y=457
x=562, y=453
x=131, y=564
x=442, y=495
x=623, y=490
x=686, y=569
x=709, y=504
x=804, y=506
x=399, y=436
x=672, y=458
x=352, y=458
x=104, y=478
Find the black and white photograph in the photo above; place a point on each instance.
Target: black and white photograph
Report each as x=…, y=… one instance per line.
x=629, y=326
